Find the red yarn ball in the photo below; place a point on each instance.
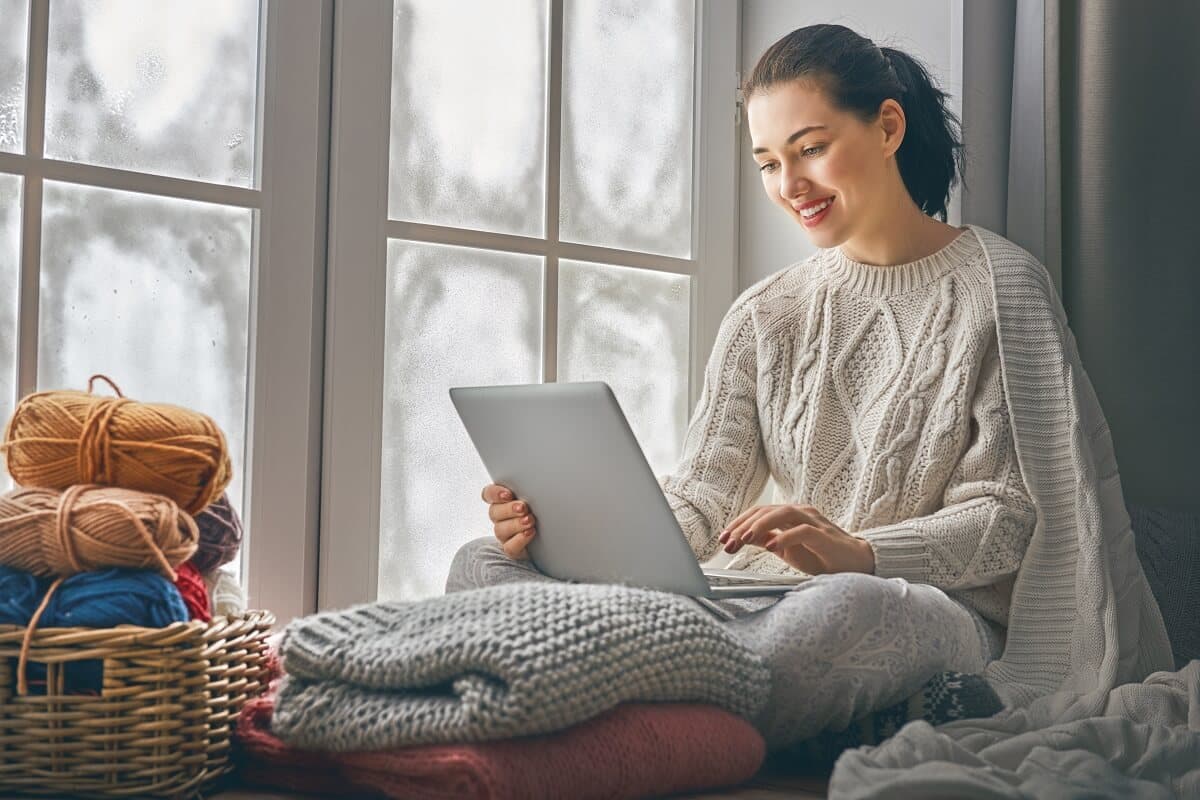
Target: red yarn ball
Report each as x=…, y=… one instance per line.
x=195, y=593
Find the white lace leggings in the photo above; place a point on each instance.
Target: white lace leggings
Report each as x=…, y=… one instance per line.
x=838, y=646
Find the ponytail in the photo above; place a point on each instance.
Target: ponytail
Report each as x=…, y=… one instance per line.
x=858, y=77
x=931, y=156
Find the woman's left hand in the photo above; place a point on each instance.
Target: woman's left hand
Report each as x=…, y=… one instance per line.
x=802, y=537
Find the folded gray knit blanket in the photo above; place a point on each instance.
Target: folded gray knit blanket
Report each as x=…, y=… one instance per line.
x=502, y=661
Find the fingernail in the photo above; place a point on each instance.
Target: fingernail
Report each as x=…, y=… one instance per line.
x=506, y=495
x=724, y=536
x=525, y=520
x=519, y=507
x=770, y=546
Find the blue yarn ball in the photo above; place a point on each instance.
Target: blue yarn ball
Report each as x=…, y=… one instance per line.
x=98, y=599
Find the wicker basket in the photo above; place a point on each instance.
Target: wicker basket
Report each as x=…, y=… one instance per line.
x=160, y=726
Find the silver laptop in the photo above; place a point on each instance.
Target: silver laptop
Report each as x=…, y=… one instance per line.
x=601, y=516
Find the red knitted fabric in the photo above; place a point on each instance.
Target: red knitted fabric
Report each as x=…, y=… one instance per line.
x=266, y=762
x=634, y=750
x=195, y=593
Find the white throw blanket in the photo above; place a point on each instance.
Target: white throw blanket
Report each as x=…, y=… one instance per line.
x=1083, y=620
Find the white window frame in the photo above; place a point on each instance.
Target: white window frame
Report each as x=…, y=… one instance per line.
x=359, y=232
x=284, y=380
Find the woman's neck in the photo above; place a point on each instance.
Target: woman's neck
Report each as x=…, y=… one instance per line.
x=900, y=239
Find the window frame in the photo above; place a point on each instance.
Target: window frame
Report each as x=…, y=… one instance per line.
x=359, y=232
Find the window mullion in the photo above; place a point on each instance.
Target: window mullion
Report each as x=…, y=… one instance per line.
x=31, y=205
x=553, y=182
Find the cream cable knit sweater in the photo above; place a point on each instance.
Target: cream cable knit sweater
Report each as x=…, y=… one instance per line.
x=873, y=394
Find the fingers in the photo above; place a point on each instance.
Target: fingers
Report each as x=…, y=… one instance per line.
x=495, y=493
x=509, y=528
x=764, y=529
x=515, y=546
x=498, y=512
x=735, y=531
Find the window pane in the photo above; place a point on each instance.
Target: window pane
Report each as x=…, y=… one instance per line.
x=14, y=41
x=469, y=114
x=10, y=266
x=166, y=87
x=627, y=124
x=455, y=317
x=630, y=328
x=153, y=293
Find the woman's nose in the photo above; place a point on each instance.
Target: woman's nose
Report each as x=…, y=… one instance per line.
x=792, y=184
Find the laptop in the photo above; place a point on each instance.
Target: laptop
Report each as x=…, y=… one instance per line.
x=601, y=516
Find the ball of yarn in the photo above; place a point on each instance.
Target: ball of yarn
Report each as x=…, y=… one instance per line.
x=220, y=535
x=58, y=439
x=48, y=532
x=193, y=591
x=225, y=592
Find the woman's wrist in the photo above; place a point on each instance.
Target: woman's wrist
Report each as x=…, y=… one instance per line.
x=868, y=557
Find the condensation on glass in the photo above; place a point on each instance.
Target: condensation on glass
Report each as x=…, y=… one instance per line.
x=628, y=73
x=14, y=42
x=467, y=146
x=153, y=292
x=166, y=87
x=10, y=267
x=631, y=329
x=454, y=316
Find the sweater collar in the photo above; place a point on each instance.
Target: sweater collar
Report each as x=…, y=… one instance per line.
x=885, y=281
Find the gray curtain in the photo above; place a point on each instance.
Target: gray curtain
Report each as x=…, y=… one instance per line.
x=1081, y=122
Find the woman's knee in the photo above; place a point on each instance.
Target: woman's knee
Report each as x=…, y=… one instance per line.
x=466, y=566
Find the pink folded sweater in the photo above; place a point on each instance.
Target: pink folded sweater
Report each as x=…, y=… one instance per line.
x=634, y=750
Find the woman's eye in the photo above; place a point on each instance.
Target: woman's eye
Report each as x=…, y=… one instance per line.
x=767, y=168
x=812, y=151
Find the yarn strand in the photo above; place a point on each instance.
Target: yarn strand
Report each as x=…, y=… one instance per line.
x=27, y=639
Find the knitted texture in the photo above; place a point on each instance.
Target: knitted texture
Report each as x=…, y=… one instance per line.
x=502, y=661
x=226, y=594
x=946, y=697
x=875, y=395
x=1168, y=545
x=634, y=750
x=220, y=530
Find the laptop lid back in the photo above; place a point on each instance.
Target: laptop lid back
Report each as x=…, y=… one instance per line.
x=567, y=449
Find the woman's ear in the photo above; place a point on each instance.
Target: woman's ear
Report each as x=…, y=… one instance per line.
x=892, y=126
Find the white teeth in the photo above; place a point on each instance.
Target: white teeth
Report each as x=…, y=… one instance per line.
x=808, y=213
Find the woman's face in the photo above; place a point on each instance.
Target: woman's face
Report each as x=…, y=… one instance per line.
x=825, y=167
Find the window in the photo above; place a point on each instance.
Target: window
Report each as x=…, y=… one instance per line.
x=141, y=211
x=539, y=221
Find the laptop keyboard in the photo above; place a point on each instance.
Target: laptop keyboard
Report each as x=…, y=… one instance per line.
x=750, y=579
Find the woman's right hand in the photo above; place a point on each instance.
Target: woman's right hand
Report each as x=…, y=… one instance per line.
x=512, y=519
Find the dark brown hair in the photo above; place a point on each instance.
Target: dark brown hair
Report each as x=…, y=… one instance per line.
x=857, y=76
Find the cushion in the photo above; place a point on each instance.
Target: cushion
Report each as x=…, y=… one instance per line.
x=1168, y=545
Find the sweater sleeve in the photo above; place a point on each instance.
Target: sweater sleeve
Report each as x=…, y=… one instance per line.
x=723, y=465
x=979, y=536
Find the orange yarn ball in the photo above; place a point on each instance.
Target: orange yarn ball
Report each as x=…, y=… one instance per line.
x=58, y=439
x=86, y=528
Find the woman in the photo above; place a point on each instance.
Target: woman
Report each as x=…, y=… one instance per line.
x=867, y=381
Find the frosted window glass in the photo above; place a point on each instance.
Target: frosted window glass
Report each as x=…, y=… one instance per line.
x=631, y=329
x=455, y=317
x=152, y=292
x=627, y=124
x=469, y=114
x=167, y=87
x=14, y=41
x=10, y=250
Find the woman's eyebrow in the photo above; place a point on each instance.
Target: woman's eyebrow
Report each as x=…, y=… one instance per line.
x=793, y=137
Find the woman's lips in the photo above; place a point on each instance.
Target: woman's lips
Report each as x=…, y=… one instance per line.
x=816, y=219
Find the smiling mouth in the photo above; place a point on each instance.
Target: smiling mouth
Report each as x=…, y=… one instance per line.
x=810, y=212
